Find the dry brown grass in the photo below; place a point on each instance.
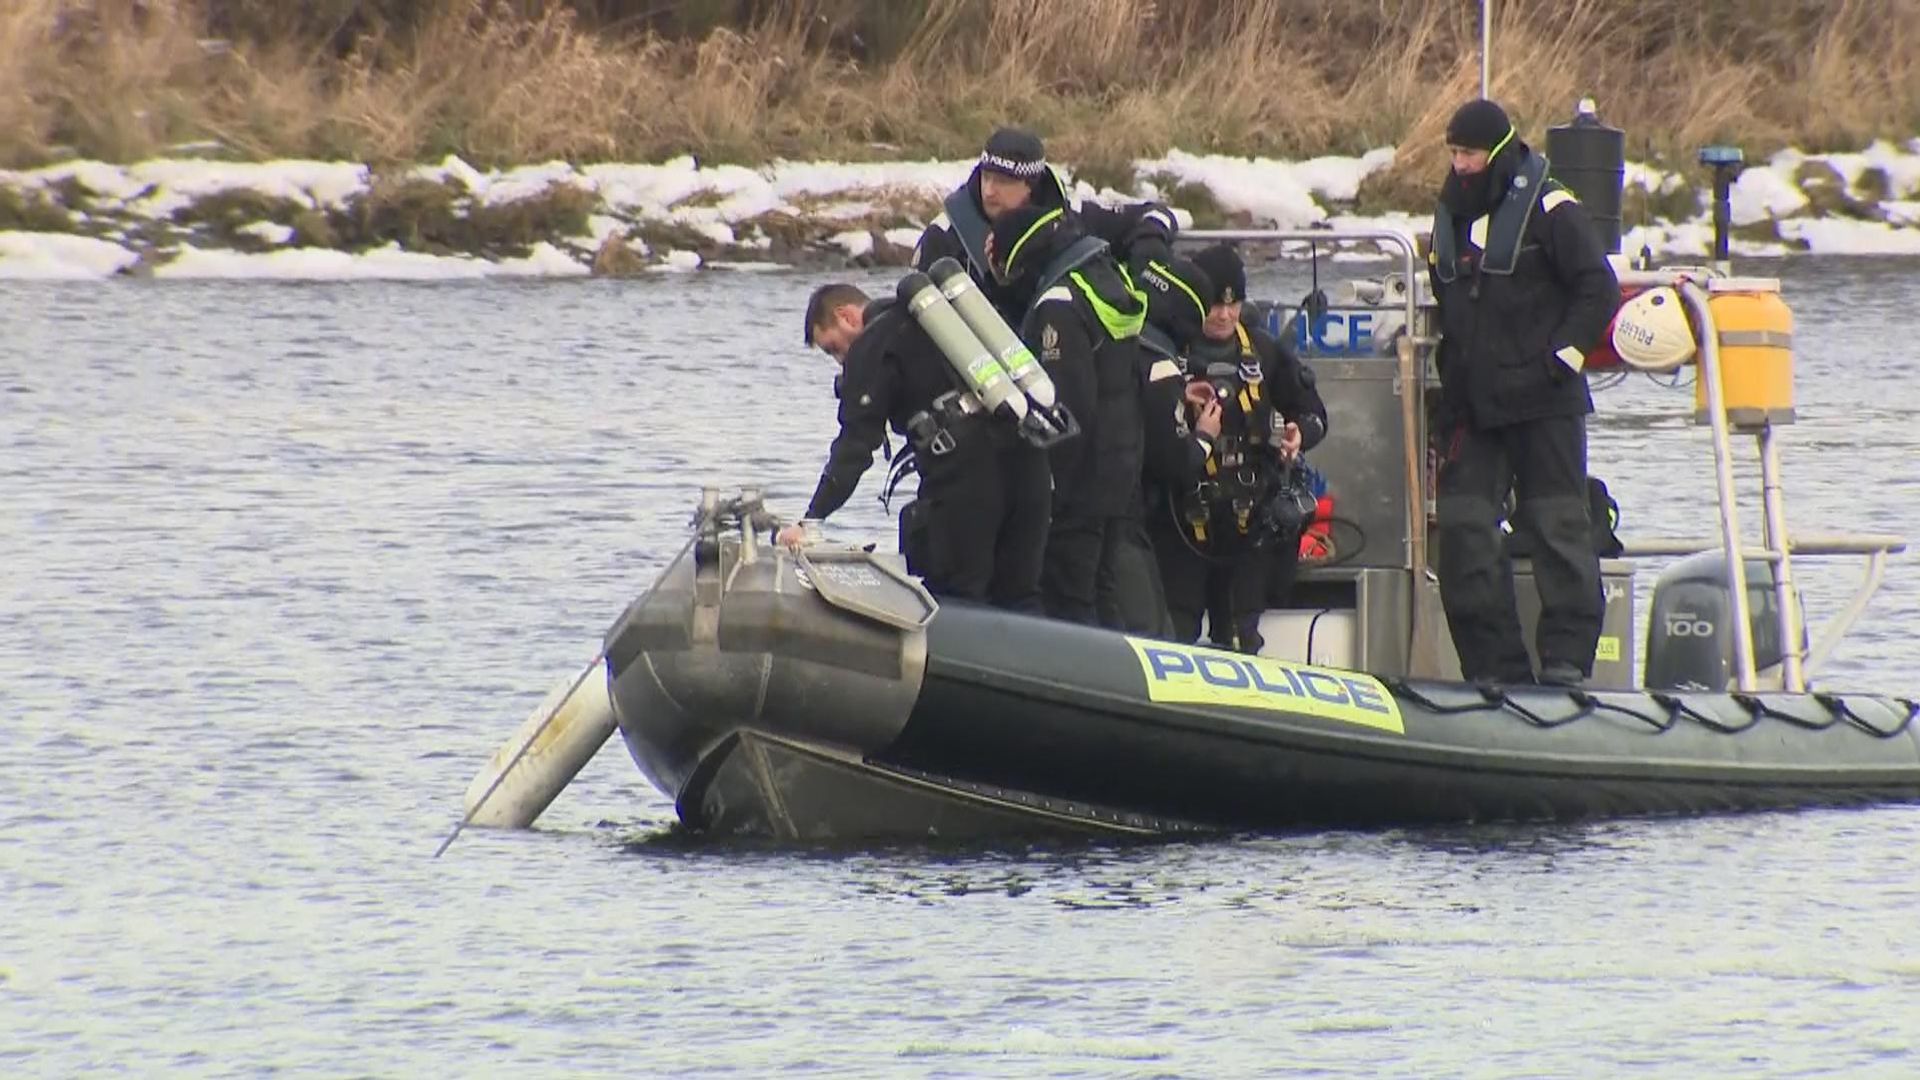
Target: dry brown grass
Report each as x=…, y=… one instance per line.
x=1106, y=80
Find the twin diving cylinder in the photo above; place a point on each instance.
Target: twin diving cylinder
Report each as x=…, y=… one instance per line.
x=999, y=372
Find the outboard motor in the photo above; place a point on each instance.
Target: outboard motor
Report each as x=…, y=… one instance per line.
x=1689, y=631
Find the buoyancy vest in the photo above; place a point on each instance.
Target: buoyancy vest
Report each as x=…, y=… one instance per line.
x=1238, y=470
x=970, y=225
x=1500, y=251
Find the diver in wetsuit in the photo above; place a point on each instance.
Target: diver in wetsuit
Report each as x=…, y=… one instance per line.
x=1234, y=521
x=979, y=526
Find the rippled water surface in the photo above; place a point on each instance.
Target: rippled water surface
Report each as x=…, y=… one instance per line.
x=280, y=565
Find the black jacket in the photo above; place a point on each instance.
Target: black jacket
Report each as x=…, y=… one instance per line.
x=1512, y=342
x=1173, y=454
x=1097, y=375
x=1134, y=233
x=894, y=371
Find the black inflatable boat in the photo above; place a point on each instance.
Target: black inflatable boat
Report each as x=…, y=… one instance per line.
x=824, y=696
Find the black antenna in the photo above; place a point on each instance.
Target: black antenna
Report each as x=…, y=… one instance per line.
x=1646, y=216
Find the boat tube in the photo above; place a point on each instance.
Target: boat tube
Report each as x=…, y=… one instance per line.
x=823, y=696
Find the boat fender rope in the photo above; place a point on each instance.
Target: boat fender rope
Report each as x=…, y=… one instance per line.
x=1579, y=698
x=1758, y=706
x=1402, y=689
x=1837, y=704
x=1494, y=693
x=1660, y=724
x=1680, y=709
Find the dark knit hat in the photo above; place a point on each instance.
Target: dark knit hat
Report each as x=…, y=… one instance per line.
x=1479, y=125
x=1029, y=229
x=1016, y=152
x=1225, y=273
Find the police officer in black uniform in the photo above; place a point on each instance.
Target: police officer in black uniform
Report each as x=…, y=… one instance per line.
x=1013, y=173
x=984, y=494
x=1182, y=416
x=1081, y=315
x=1525, y=292
x=1222, y=535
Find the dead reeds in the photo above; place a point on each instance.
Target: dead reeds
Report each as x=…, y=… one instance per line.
x=1107, y=81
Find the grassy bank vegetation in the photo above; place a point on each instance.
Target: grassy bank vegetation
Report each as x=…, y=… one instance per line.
x=509, y=81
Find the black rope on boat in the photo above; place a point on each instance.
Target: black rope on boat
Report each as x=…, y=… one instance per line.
x=1660, y=724
x=1496, y=694
x=1757, y=705
x=1674, y=704
x=1489, y=694
x=1837, y=704
x=1580, y=698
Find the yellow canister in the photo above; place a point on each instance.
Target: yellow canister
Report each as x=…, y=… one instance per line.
x=1755, y=329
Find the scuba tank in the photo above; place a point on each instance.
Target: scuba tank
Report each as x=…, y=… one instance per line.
x=979, y=372
x=1048, y=420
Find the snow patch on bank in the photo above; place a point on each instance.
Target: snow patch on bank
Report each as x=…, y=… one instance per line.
x=717, y=206
x=60, y=257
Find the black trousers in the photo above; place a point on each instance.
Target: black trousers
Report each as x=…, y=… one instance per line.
x=982, y=531
x=1544, y=463
x=1100, y=571
x=1128, y=593
x=1227, y=581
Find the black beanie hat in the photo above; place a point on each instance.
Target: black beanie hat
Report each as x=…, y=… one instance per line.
x=1013, y=226
x=1016, y=152
x=1225, y=272
x=1479, y=125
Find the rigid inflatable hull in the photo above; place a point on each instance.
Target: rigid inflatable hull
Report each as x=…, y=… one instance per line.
x=760, y=707
x=1250, y=743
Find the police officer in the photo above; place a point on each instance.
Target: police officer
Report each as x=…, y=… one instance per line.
x=1081, y=314
x=1525, y=292
x=1224, y=535
x=984, y=493
x=1181, y=430
x=1013, y=173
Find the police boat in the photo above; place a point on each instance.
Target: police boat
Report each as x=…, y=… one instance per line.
x=822, y=695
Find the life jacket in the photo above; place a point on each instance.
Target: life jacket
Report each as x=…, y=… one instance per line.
x=1500, y=250
x=1237, y=470
x=1067, y=266
x=970, y=225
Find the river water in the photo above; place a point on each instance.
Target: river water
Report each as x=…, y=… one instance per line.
x=281, y=564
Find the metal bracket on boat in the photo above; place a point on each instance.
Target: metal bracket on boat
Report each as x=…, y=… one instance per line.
x=719, y=520
x=726, y=538
x=855, y=581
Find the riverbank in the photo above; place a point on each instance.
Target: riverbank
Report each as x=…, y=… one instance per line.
x=1108, y=82
x=195, y=217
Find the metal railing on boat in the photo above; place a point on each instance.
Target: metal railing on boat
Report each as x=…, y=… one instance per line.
x=1874, y=546
x=1777, y=546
